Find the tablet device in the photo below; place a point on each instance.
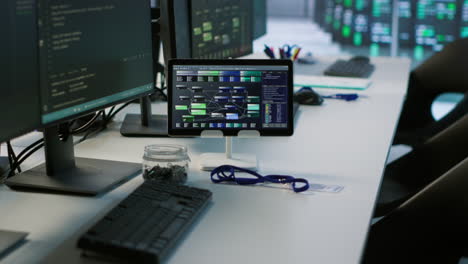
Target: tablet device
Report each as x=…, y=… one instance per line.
x=230, y=96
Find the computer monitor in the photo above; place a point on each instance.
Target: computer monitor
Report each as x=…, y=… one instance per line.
x=463, y=19
x=329, y=7
x=230, y=98
x=347, y=23
x=19, y=97
x=214, y=29
x=259, y=22
x=328, y=15
x=406, y=14
x=147, y=124
x=18, y=74
x=361, y=23
x=436, y=24
x=176, y=29
x=198, y=29
x=319, y=14
x=337, y=20
x=220, y=28
x=381, y=27
x=85, y=63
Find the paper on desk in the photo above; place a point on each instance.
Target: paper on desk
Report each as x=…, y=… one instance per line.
x=331, y=82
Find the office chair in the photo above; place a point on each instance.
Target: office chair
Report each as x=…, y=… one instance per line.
x=444, y=72
x=424, y=164
x=431, y=227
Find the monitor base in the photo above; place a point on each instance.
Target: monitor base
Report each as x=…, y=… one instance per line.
x=132, y=127
x=210, y=161
x=4, y=165
x=90, y=177
x=9, y=240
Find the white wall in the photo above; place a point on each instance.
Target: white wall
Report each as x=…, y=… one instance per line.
x=290, y=8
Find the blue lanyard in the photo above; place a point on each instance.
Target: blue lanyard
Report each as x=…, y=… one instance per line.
x=226, y=173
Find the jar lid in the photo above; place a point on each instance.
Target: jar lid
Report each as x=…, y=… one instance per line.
x=166, y=152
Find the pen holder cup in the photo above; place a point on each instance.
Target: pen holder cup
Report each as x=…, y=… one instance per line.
x=166, y=162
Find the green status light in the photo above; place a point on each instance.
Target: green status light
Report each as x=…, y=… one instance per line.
x=418, y=53
x=374, y=50
x=357, y=39
x=346, y=31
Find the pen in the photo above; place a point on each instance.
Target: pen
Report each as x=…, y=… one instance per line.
x=281, y=52
x=268, y=52
x=296, y=54
x=287, y=51
x=346, y=97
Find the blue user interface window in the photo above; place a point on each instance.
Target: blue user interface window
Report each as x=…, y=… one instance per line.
x=230, y=97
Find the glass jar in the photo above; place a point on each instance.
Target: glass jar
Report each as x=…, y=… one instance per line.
x=166, y=162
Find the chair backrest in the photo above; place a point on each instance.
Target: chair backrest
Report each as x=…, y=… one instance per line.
x=430, y=226
x=447, y=70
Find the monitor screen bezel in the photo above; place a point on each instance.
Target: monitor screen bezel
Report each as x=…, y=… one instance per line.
x=94, y=110
x=231, y=131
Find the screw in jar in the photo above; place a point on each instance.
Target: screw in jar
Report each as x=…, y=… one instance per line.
x=166, y=162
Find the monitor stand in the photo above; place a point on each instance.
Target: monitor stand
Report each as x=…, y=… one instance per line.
x=4, y=165
x=63, y=173
x=146, y=124
x=9, y=240
x=210, y=161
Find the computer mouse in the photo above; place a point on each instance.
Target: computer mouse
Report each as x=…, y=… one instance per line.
x=307, y=96
x=363, y=59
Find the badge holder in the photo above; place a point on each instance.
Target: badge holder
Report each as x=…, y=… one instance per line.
x=209, y=161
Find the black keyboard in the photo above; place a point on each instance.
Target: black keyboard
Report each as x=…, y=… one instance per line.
x=350, y=68
x=145, y=226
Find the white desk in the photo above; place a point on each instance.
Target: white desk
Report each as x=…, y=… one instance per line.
x=343, y=143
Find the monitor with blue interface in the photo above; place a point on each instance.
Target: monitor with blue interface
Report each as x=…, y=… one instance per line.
x=230, y=96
